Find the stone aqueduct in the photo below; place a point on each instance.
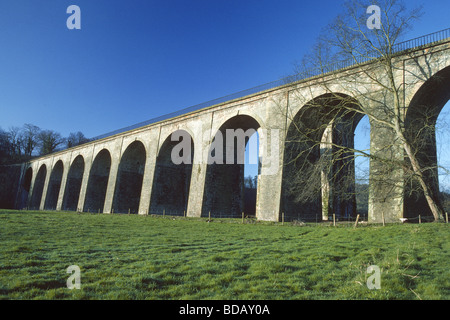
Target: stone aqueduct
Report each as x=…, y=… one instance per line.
x=132, y=171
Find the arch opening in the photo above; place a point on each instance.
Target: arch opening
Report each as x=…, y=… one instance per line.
x=362, y=166
x=27, y=180
x=54, y=186
x=225, y=193
x=73, y=184
x=443, y=155
x=38, y=188
x=98, y=182
x=172, y=177
x=130, y=175
x=25, y=188
x=420, y=123
x=319, y=168
x=251, y=173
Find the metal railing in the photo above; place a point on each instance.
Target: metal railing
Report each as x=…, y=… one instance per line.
x=422, y=41
x=314, y=72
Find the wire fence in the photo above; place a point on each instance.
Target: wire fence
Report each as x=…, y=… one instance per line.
x=314, y=72
x=292, y=220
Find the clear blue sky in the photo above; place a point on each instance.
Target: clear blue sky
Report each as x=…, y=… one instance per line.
x=138, y=59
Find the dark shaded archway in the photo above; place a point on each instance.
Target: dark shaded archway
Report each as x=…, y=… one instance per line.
x=98, y=182
x=319, y=169
x=25, y=187
x=54, y=185
x=73, y=184
x=224, y=193
x=172, y=179
x=26, y=184
x=130, y=175
x=420, y=124
x=38, y=188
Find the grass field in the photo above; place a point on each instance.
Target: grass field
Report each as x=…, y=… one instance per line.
x=137, y=257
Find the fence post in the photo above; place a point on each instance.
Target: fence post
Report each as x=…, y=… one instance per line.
x=356, y=222
x=420, y=220
x=282, y=218
x=209, y=215
x=334, y=220
x=382, y=216
x=446, y=217
x=242, y=217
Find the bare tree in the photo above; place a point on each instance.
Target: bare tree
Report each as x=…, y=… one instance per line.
x=15, y=142
x=49, y=141
x=321, y=149
x=29, y=137
x=75, y=139
x=4, y=146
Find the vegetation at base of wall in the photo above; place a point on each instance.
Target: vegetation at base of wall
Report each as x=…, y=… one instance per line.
x=145, y=257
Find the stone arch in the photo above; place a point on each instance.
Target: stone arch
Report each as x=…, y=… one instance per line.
x=54, y=186
x=98, y=182
x=26, y=184
x=73, y=184
x=25, y=188
x=172, y=177
x=420, y=122
x=38, y=188
x=224, y=183
x=318, y=168
x=129, y=178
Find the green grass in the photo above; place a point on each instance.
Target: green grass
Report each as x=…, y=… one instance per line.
x=136, y=257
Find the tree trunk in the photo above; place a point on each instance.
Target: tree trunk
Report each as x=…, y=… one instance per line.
x=435, y=209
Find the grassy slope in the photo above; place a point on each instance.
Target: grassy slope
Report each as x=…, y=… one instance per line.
x=135, y=257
